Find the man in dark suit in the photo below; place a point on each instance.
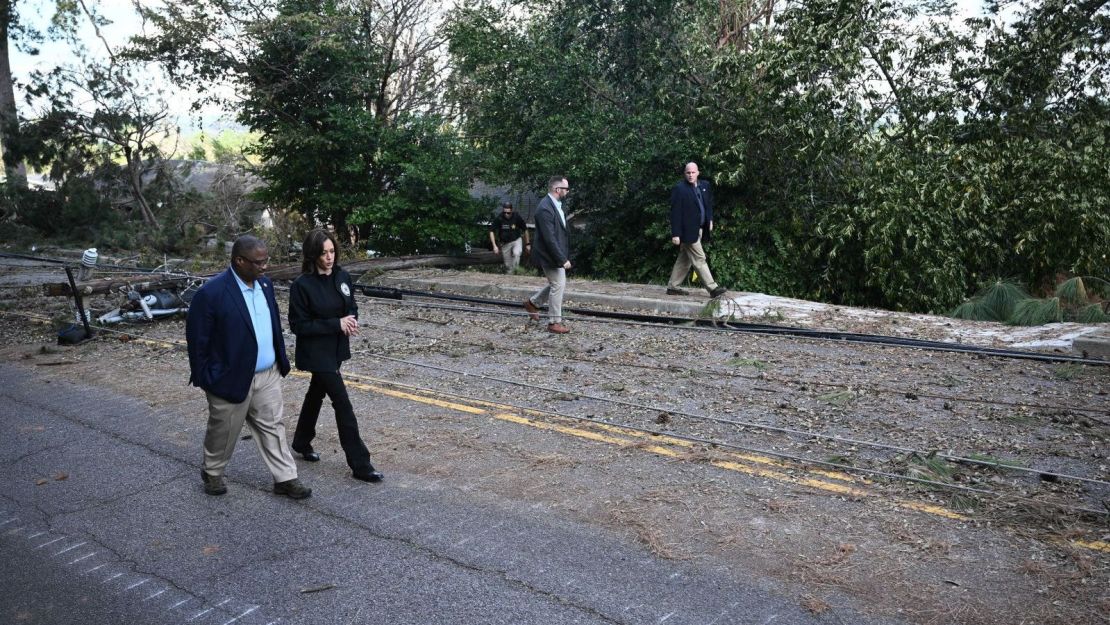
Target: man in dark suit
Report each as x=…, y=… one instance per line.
x=551, y=251
x=691, y=219
x=237, y=355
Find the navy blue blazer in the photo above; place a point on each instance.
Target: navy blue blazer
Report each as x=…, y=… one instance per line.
x=685, y=216
x=551, y=245
x=222, y=345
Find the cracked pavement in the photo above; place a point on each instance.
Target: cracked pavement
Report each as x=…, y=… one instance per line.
x=104, y=521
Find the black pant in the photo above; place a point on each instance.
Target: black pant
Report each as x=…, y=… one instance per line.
x=331, y=384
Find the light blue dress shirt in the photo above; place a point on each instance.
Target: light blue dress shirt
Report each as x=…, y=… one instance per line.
x=259, y=309
x=558, y=209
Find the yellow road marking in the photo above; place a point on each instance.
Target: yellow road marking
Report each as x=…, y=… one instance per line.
x=1097, y=545
x=663, y=446
x=616, y=435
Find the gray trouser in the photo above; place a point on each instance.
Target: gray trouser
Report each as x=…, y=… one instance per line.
x=552, y=294
x=510, y=253
x=261, y=411
x=691, y=255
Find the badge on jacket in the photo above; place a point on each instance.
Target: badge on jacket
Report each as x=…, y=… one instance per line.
x=346, y=289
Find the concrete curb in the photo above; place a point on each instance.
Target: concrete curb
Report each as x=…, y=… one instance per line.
x=685, y=306
x=1095, y=345
x=1086, y=340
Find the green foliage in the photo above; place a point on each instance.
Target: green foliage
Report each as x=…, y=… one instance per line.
x=995, y=302
x=872, y=153
x=1092, y=313
x=1035, y=312
x=1002, y=297
x=1072, y=291
x=1004, y=300
x=333, y=150
x=74, y=213
x=428, y=207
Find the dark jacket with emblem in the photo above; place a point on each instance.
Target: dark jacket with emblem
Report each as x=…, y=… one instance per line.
x=316, y=304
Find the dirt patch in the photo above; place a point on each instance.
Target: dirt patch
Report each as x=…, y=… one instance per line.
x=690, y=491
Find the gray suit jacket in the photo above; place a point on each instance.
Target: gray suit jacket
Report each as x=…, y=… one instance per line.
x=551, y=249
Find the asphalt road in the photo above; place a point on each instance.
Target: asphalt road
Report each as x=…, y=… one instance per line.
x=103, y=520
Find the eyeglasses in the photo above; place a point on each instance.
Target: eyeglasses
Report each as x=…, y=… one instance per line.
x=257, y=263
x=562, y=188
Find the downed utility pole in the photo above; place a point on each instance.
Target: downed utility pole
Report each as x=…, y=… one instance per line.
x=376, y=265
x=143, y=282
x=151, y=282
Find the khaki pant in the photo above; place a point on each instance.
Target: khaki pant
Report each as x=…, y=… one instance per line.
x=510, y=254
x=691, y=255
x=552, y=294
x=262, y=413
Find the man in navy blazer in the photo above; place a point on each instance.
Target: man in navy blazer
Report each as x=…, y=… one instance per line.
x=691, y=218
x=551, y=250
x=237, y=355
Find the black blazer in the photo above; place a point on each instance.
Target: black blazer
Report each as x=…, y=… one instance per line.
x=551, y=246
x=221, y=341
x=316, y=303
x=685, y=216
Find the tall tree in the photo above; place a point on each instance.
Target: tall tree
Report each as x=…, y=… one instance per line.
x=101, y=107
x=14, y=168
x=334, y=88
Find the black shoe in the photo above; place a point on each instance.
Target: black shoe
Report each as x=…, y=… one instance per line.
x=673, y=291
x=213, y=484
x=368, y=476
x=719, y=291
x=308, y=454
x=292, y=489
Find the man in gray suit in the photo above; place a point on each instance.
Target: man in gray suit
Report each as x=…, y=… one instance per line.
x=551, y=249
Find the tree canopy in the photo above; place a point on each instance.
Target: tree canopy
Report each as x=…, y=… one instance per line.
x=869, y=152
x=876, y=152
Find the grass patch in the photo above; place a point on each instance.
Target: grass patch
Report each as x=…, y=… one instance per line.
x=711, y=310
x=1067, y=371
x=1092, y=313
x=995, y=302
x=929, y=468
x=1036, y=312
x=1072, y=291
x=962, y=502
x=1018, y=417
x=839, y=398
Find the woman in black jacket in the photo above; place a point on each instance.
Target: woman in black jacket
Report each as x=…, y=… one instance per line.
x=323, y=315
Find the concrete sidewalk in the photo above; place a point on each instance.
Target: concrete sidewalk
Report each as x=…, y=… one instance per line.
x=1089, y=340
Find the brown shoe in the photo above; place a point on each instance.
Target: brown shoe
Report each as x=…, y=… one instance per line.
x=557, y=328
x=533, y=312
x=292, y=489
x=675, y=291
x=213, y=484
